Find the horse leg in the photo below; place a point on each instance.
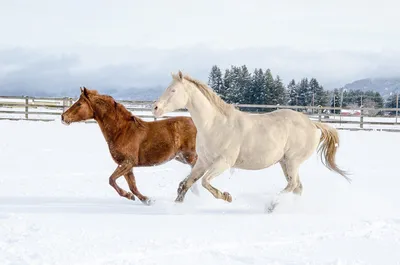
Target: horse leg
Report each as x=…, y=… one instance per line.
x=216, y=169
x=291, y=171
x=130, y=178
x=189, y=158
x=195, y=174
x=283, y=165
x=121, y=170
x=299, y=189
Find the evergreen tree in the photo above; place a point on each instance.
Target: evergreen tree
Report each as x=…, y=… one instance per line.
x=278, y=92
x=257, y=93
x=391, y=101
x=292, y=92
x=378, y=100
x=244, y=85
x=269, y=86
x=234, y=92
x=227, y=83
x=303, y=93
x=317, y=94
x=215, y=80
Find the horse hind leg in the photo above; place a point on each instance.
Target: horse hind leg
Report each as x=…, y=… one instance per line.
x=299, y=189
x=291, y=173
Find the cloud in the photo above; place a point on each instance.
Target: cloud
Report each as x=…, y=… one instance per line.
x=59, y=72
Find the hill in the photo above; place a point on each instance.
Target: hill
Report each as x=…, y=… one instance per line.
x=384, y=86
x=151, y=93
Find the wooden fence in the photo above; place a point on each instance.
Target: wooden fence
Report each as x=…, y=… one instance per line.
x=50, y=109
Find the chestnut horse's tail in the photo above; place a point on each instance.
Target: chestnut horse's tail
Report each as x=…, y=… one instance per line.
x=328, y=146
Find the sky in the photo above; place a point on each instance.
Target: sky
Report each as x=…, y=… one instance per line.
x=139, y=43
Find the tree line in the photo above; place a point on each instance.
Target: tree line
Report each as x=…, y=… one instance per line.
x=240, y=86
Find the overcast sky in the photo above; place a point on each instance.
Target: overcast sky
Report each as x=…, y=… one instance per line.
x=138, y=43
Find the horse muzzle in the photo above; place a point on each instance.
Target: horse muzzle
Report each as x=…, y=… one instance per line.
x=157, y=111
x=65, y=121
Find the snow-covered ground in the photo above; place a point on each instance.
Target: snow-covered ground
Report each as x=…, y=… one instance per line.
x=56, y=206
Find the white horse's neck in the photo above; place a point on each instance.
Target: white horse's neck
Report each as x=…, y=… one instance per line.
x=202, y=111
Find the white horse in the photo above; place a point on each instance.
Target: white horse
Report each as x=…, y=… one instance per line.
x=227, y=137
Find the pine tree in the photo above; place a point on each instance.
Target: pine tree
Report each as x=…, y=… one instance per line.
x=378, y=100
x=244, y=85
x=278, y=92
x=257, y=89
x=292, y=92
x=318, y=96
x=215, y=80
x=227, y=83
x=269, y=86
x=234, y=92
x=391, y=102
x=303, y=93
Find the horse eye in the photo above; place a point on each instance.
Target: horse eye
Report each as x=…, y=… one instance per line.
x=173, y=90
x=78, y=104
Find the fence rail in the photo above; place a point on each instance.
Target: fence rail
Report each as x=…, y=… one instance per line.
x=50, y=109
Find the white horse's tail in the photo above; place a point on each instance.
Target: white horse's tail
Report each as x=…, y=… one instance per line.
x=328, y=146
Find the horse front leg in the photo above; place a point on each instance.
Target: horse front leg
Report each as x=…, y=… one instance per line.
x=217, y=168
x=121, y=170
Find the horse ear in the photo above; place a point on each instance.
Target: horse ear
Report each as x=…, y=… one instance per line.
x=85, y=91
x=81, y=89
x=180, y=75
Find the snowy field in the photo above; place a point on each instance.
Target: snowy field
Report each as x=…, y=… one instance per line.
x=56, y=206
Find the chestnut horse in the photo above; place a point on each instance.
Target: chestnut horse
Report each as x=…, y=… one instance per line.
x=132, y=141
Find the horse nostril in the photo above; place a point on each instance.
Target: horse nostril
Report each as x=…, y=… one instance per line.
x=156, y=107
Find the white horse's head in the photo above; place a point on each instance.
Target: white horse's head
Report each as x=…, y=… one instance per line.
x=174, y=97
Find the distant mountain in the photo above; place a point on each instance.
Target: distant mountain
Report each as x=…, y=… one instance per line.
x=384, y=86
x=146, y=94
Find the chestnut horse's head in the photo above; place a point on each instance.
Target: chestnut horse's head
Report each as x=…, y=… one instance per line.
x=81, y=110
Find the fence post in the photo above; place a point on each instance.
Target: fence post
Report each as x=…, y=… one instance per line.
x=362, y=118
x=26, y=107
x=65, y=103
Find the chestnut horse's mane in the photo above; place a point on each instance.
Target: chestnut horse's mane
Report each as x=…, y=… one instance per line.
x=120, y=110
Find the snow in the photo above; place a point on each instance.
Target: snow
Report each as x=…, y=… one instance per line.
x=56, y=206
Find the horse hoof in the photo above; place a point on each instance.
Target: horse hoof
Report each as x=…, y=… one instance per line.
x=227, y=197
x=147, y=201
x=131, y=196
x=179, y=200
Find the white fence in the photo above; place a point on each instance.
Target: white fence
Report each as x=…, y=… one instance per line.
x=50, y=109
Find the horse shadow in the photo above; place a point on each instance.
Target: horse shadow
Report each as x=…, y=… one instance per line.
x=245, y=204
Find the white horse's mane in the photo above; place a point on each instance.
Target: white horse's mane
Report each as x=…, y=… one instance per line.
x=211, y=95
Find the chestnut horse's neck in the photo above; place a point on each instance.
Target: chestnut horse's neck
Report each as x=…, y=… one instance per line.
x=112, y=117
